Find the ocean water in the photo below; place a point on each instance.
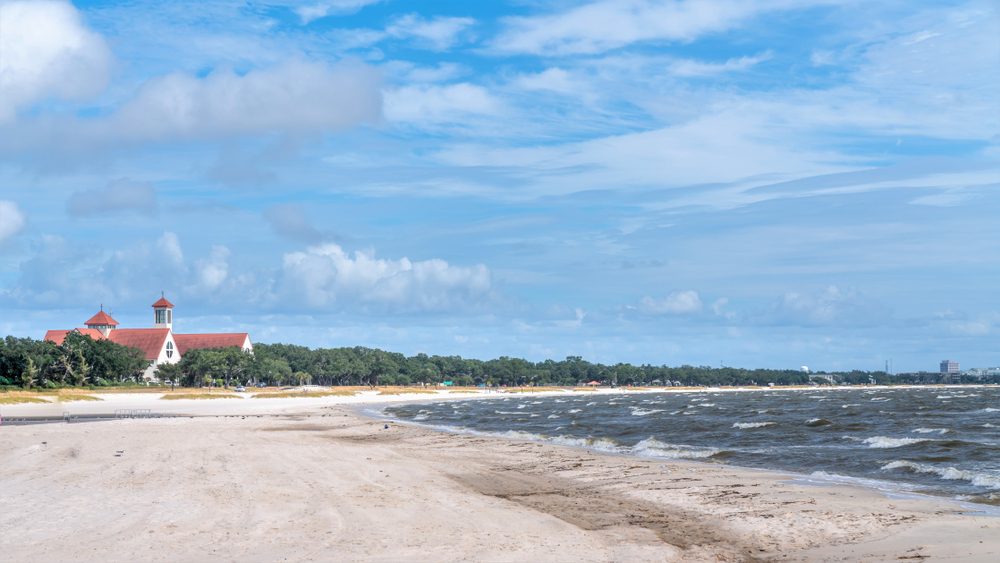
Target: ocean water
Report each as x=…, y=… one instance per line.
x=938, y=441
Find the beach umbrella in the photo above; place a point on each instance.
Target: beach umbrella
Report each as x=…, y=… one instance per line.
x=593, y=383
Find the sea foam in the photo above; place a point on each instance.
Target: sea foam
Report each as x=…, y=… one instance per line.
x=885, y=442
x=985, y=480
x=745, y=425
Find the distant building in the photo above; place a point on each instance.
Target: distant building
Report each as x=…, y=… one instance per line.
x=948, y=366
x=160, y=344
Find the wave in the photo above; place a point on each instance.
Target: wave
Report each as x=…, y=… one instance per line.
x=818, y=422
x=987, y=409
x=884, y=442
x=652, y=447
x=637, y=411
x=985, y=480
x=744, y=425
x=930, y=430
x=574, y=411
x=553, y=416
x=421, y=417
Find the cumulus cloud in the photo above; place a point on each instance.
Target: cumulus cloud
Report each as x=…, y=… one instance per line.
x=600, y=26
x=296, y=96
x=326, y=277
x=676, y=303
x=47, y=52
x=831, y=306
x=120, y=195
x=213, y=270
x=438, y=33
x=289, y=220
x=69, y=274
x=12, y=219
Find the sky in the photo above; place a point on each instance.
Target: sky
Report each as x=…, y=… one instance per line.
x=751, y=183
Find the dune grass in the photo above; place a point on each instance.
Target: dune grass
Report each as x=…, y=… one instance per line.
x=19, y=400
x=299, y=394
x=179, y=396
x=463, y=391
x=585, y=389
x=75, y=397
x=407, y=392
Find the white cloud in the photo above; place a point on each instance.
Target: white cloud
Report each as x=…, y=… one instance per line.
x=120, y=195
x=331, y=8
x=168, y=248
x=600, y=26
x=289, y=220
x=327, y=277
x=697, y=68
x=676, y=303
x=47, y=52
x=211, y=271
x=831, y=306
x=293, y=97
x=438, y=33
x=439, y=103
x=719, y=305
x=12, y=219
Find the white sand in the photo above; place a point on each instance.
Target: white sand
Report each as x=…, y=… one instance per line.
x=327, y=484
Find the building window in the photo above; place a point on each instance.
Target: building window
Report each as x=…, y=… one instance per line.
x=161, y=316
x=168, y=317
x=170, y=349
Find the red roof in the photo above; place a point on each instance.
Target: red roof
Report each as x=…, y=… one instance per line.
x=59, y=336
x=163, y=303
x=186, y=342
x=149, y=340
x=101, y=319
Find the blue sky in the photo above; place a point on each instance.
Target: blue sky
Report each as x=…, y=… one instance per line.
x=753, y=183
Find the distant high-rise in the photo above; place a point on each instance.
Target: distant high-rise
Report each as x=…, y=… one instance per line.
x=948, y=366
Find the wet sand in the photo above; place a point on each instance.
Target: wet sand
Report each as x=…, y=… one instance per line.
x=328, y=484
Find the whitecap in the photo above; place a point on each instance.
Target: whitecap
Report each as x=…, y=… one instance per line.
x=636, y=411
x=885, y=442
x=553, y=416
x=652, y=447
x=521, y=406
x=986, y=480
x=744, y=425
x=574, y=411
x=930, y=430
x=987, y=409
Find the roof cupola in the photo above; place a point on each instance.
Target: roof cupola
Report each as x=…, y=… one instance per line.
x=163, y=313
x=102, y=322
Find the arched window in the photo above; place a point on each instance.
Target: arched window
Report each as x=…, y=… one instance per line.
x=170, y=349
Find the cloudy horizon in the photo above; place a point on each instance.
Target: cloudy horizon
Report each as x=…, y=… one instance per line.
x=753, y=184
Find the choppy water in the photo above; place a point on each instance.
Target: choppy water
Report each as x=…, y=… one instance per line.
x=938, y=441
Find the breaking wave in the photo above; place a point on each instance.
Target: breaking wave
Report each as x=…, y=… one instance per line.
x=885, y=442
x=985, y=480
x=745, y=425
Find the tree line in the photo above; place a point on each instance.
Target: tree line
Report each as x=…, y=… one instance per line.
x=79, y=360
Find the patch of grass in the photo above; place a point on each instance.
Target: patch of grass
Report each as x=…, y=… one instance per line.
x=584, y=389
x=408, y=392
x=465, y=391
x=532, y=389
x=178, y=396
x=74, y=397
x=19, y=400
x=299, y=394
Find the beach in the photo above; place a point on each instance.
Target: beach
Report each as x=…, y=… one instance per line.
x=315, y=480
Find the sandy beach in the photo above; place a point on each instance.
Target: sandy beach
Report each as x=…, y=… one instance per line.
x=314, y=480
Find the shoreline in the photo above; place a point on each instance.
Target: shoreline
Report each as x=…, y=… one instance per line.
x=365, y=402
x=324, y=481
x=801, y=479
